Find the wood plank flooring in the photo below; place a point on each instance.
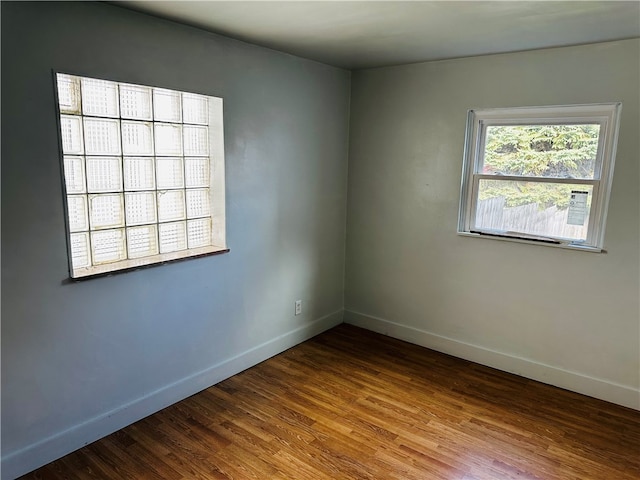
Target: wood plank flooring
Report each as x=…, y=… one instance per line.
x=351, y=404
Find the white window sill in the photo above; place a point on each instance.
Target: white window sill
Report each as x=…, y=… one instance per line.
x=134, y=264
x=567, y=246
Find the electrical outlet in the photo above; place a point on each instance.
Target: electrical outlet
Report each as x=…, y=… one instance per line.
x=298, y=307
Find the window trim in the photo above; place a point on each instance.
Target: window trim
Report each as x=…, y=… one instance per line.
x=605, y=114
x=217, y=188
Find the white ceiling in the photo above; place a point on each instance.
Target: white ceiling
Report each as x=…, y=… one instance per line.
x=377, y=33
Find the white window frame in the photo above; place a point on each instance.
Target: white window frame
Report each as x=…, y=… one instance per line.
x=606, y=115
x=216, y=181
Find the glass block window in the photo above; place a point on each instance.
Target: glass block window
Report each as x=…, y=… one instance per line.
x=143, y=174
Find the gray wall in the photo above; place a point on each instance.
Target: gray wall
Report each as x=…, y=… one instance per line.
x=565, y=317
x=108, y=351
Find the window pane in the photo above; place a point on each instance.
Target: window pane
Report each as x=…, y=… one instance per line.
x=171, y=205
x=137, y=138
x=99, y=98
x=170, y=172
x=173, y=237
x=166, y=105
x=77, y=210
x=142, y=241
x=168, y=139
x=108, y=246
x=561, y=151
x=79, y=250
x=105, y=211
x=196, y=172
x=139, y=173
x=140, y=208
x=135, y=102
x=74, y=174
x=544, y=209
x=68, y=93
x=196, y=108
x=196, y=141
x=199, y=232
x=104, y=174
x=71, y=132
x=198, y=203
x=102, y=136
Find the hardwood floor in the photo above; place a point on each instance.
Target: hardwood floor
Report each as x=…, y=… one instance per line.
x=351, y=404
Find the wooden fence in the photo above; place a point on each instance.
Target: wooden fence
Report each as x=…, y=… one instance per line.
x=493, y=214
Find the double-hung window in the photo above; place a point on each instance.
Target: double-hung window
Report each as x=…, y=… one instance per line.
x=539, y=174
x=143, y=172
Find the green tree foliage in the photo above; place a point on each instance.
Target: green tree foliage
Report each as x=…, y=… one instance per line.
x=556, y=151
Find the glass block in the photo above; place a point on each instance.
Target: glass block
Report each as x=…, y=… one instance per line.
x=74, y=174
x=169, y=173
x=137, y=138
x=171, y=205
x=77, y=208
x=71, y=132
x=166, y=105
x=102, y=136
x=173, y=237
x=198, y=203
x=140, y=207
x=168, y=139
x=135, y=102
x=99, y=98
x=79, y=243
x=104, y=174
x=195, y=108
x=106, y=211
x=108, y=246
x=196, y=172
x=196, y=140
x=139, y=173
x=199, y=232
x=68, y=93
x=142, y=241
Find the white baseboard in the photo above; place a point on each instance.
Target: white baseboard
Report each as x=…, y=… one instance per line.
x=33, y=456
x=576, y=382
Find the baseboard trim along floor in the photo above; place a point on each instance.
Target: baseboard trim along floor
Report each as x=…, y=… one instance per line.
x=38, y=454
x=576, y=382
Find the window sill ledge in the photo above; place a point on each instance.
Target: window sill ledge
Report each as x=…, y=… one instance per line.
x=145, y=262
x=566, y=246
